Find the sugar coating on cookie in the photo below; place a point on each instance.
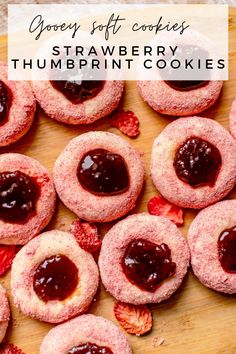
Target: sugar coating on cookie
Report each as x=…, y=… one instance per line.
x=211, y=137
x=167, y=100
x=20, y=108
x=120, y=165
x=60, y=108
x=210, y=227
x=38, y=261
x=18, y=196
x=4, y=312
x=83, y=331
x=232, y=119
x=156, y=231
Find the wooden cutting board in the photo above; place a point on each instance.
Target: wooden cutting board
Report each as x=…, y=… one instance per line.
x=195, y=319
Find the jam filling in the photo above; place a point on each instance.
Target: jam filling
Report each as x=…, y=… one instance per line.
x=18, y=196
x=146, y=264
x=5, y=102
x=56, y=278
x=103, y=173
x=227, y=249
x=78, y=91
x=197, y=162
x=186, y=85
x=183, y=53
x=89, y=348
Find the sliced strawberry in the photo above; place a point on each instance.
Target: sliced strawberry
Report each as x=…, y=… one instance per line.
x=134, y=319
x=7, y=254
x=161, y=207
x=126, y=122
x=10, y=349
x=86, y=235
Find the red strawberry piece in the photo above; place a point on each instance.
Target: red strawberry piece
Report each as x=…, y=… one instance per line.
x=126, y=122
x=7, y=254
x=134, y=319
x=10, y=349
x=161, y=207
x=86, y=235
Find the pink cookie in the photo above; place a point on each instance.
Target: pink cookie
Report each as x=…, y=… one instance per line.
x=167, y=100
x=143, y=259
x=78, y=111
x=17, y=108
x=193, y=162
x=4, y=312
x=212, y=242
x=86, y=334
x=99, y=176
x=27, y=198
x=53, y=279
x=232, y=119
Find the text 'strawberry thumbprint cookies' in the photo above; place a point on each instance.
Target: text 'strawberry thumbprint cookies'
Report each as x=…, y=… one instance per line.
x=143, y=259
x=86, y=334
x=232, y=119
x=53, y=279
x=78, y=103
x=193, y=162
x=17, y=108
x=4, y=312
x=27, y=198
x=212, y=242
x=99, y=176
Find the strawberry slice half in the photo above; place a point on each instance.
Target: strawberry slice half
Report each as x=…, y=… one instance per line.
x=127, y=122
x=134, y=319
x=161, y=207
x=7, y=254
x=86, y=235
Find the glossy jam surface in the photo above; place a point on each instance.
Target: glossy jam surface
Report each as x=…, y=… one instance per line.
x=89, y=348
x=103, y=173
x=18, y=196
x=186, y=52
x=56, y=278
x=5, y=102
x=146, y=264
x=186, y=85
x=78, y=91
x=227, y=250
x=197, y=162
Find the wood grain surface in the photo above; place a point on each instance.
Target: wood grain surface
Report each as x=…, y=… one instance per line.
x=195, y=319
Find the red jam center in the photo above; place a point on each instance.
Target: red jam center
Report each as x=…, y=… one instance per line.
x=78, y=91
x=18, y=196
x=5, y=102
x=197, y=162
x=103, y=173
x=227, y=250
x=186, y=85
x=89, y=348
x=146, y=264
x=56, y=278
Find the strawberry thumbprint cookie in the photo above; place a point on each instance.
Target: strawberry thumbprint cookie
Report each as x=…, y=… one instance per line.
x=86, y=334
x=53, y=279
x=180, y=98
x=81, y=102
x=99, y=176
x=232, y=119
x=17, y=108
x=4, y=312
x=143, y=259
x=182, y=92
x=212, y=242
x=193, y=162
x=27, y=198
